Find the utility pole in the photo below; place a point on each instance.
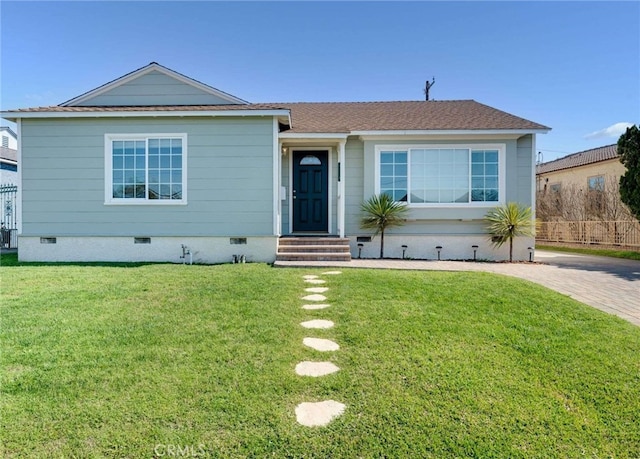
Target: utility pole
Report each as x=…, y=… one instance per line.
x=427, y=86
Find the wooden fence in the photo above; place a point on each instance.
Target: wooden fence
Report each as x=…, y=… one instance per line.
x=603, y=233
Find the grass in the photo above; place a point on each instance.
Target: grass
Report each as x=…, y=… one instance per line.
x=627, y=254
x=128, y=361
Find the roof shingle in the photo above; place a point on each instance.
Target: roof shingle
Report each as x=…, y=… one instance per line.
x=345, y=117
x=8, y=154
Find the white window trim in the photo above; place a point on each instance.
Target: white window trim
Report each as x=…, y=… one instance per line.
x=502, y=169
x=109, y=200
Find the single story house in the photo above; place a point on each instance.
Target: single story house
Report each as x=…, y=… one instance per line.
x=153, y=161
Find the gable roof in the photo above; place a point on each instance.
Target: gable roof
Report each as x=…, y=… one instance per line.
x=152, y=67
x=299, y=118
x=334, y=117
x=9, y=131
x=581, y=158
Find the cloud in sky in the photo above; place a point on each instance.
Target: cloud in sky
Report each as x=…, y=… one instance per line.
x=615, y=130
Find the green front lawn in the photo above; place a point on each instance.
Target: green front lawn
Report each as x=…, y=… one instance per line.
x=129, y=361
x=627, y=254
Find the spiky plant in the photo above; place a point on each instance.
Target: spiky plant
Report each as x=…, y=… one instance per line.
x=509, y=221
x=382, y=212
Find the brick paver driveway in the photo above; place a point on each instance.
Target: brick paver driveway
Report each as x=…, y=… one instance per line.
x=609, y=284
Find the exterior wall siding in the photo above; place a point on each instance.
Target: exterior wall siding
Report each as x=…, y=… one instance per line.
x=455, y=229
x=229, y=179
x=154, y=88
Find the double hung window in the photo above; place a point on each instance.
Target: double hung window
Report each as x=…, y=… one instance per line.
x=441, y=175
x=146, y=168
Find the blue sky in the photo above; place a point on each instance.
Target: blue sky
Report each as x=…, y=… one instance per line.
x=573, y=66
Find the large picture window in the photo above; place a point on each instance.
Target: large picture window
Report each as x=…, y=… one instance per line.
x=145, y=168
x=443, y=175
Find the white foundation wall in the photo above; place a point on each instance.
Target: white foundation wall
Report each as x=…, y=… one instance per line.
x=205, y=250
x=454, y=247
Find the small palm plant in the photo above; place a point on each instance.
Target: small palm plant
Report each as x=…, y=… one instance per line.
x=382, y=212
x=508, y=222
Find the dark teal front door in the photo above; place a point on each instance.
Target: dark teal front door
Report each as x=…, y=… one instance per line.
x=310, y=191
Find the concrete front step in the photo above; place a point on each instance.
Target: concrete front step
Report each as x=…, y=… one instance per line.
x=313, y=256
x=313, y=249
x=313, y=241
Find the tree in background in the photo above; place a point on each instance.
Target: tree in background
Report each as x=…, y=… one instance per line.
x=629, y=151
x=382, y=212
x=509, y=221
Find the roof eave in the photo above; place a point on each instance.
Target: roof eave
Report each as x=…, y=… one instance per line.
x=14, y=116
x=517, y=132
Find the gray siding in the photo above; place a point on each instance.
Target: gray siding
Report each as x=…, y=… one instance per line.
x=435, y=220
x=229, y=179
x=355, y=173
x=154, y=88
x=525, y=171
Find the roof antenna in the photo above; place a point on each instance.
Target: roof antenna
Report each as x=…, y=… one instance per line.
x=427, y=86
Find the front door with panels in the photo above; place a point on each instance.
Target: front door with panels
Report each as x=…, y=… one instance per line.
x=310, y=191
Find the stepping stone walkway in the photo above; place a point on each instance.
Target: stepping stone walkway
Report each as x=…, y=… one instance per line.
x=315, y=369
x=312, y=414
x=315, y=281
x=314, y=297
x=317, y=323
x=321, y=344
x=310, y=307
x=318, y=414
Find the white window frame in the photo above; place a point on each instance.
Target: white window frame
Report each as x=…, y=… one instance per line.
x=108, y=167
x=502, y=168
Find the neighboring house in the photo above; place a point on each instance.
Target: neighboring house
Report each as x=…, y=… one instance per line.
x=581, y=187
x=8, y=157
x=8, y=166
x=586, y=170
x=9, y=138
x=154, y=160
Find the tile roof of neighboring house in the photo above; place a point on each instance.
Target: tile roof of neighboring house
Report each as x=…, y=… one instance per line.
x=582, y=158
x=8, y=154
x=345, y=117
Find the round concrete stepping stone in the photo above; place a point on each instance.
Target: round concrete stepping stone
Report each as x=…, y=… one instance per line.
x=332, y=272
x=315, y=369
x=315, y=281
x=319, y=413
x=317, y=323
x=310, y=307
x=310, y=276
x=314, y=297
x=316, y=289
x=321, y=344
